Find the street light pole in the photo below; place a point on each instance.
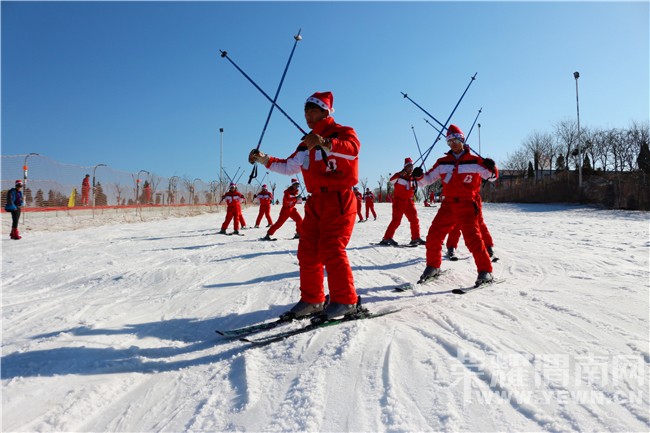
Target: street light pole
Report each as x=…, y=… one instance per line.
x=221, y=163
x=25, y=179
x=576, y=75
x=193, y=190
x=94, y=170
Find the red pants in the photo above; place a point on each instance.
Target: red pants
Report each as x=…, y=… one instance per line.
x=232, y=213
x=370, y=207
x=454, y=235
x=359, y=210
x=326, y=231
x=85, y=196
x=464, y=213
x=265, y=210
x=403, y=207
x=242, y=221
x=285, y=214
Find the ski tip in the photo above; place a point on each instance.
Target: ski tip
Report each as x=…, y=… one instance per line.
x=458, y=291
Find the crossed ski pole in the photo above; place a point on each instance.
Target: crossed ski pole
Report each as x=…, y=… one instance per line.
x=275, y=98
x=444, y=126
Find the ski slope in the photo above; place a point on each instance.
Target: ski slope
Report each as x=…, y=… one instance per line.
x=112, y=328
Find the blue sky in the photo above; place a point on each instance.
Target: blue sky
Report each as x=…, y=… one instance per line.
x=141, y=85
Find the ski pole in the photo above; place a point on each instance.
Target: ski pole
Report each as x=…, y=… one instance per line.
x=277, y=92
x=444, y=126
x=418, y=144
x=224, y=54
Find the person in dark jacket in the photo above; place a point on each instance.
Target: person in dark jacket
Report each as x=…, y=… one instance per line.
x=14, y=203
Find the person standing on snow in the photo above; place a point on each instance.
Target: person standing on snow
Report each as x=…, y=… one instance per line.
x=369, y=198
x=265, y=197
x=233, y=199
x=85, y=190
x=461, y=174
x=328, y=159
x=359, y=197
x=288, y=210
x=403, y=204
x=14, y=203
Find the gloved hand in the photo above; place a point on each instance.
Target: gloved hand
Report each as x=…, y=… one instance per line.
x=417, y=172
x=258, y=156
x=312, y=140
x=489, y=164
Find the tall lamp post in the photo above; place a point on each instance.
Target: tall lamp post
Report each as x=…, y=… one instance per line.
x=194, y=189
x=94, y=170
x=137, y=187
x=25, y=178
x=221, y=163
x=576, y=75
x=479, y=138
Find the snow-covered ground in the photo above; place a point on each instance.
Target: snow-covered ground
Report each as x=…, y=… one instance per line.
x=112, y=328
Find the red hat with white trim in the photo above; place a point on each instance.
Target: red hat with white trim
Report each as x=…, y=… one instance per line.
x=295, y=182
x=264, y=186
x=19, y=182
x=407, y=162
x=324, y=100
x=454, y=132
x=233, y=185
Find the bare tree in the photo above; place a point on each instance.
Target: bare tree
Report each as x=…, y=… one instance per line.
x=381, y=181
x=517, y=162
x=566, y=133
x=539, y=147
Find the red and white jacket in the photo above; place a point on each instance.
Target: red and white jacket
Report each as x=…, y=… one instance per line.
x=290, y=198
x=403, y=185
x=461, y=177
x=233, y=198
x=369, y=197
x=265, y=198
x=342, y=168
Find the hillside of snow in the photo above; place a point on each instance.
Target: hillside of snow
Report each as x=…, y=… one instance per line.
x=111, y=327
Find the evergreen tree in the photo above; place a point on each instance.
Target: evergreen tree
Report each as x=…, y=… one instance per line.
x=559, y=163
x=531, y=171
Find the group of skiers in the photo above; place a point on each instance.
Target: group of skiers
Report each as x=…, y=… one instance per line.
x=328, y=159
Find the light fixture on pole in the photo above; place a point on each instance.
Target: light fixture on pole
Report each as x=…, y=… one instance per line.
x=221, y=163
x=193, y=191
x=576, y=75
x=25, y=179
x=137, y=187
x=94, y=170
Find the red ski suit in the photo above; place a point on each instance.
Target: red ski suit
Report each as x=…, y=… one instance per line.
x=265, y=198
x=403, y=205
x=454, y=234
x=85, y=191
x=233, y=200
x=359, y=197
x=461, y=181
x=369, y=198
x=329, y=212
x=288, y=211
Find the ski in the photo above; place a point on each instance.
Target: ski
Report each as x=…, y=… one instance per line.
x=410, y=286
x=269, y=240
x=247, y=330
x=364, y=314
x=464, y=290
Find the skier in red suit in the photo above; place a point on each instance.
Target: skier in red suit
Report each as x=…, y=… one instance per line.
x=289, y=201
x=233, y=199
x=265, y=197
x=403, y=205
x=359, y=197
x=85, y=191
x=328, y=159
x=369, y=198
x=461, y=174
x=454, y=235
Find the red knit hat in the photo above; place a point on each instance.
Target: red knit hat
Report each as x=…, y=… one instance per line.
x=454, y=132
x=408, y=161
x=264, y=186
x=324, y=100
x=295, y=182
x=19, y=182
x=233, y=184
